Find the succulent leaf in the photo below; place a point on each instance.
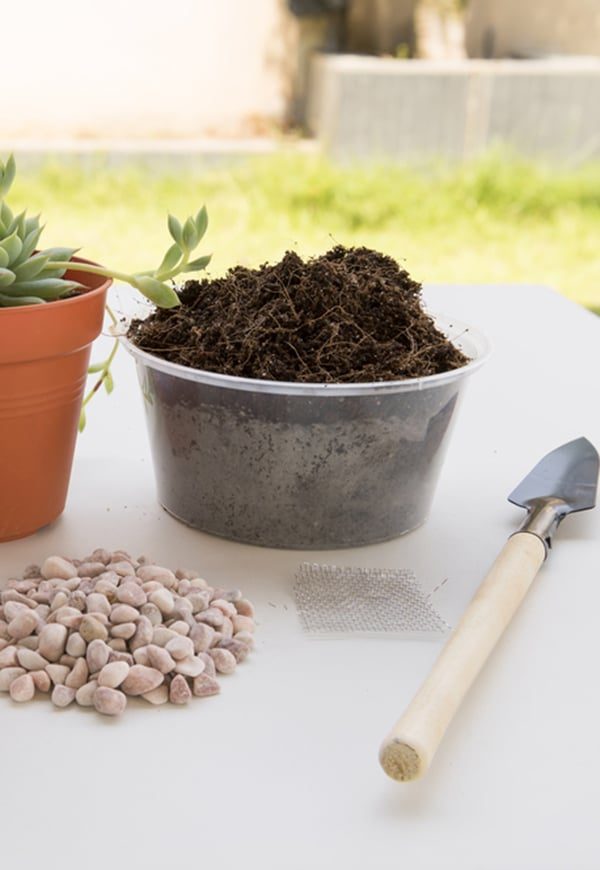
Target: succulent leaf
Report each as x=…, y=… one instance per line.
x=175, y=229
x=6, y=216
x=60, y=254
x=7, y=277
x=7, y=175
x=198, y=264
x=170, y=260
x=159, y=293
x=30, y=243
x=17, y=225
x=190, y=234
x=201, y=222
x=45, y=288
x=31, y=223
x=31, y=268
x=13, y=246
x=11, y=301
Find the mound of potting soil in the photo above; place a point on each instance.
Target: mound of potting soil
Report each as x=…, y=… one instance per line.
x=350, y=315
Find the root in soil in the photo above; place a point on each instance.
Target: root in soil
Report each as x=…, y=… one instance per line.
x=351, y=315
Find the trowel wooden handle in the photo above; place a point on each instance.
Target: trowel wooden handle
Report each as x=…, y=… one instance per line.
x=407, y=751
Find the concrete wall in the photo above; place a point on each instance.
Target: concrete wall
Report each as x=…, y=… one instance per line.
x=125, y=68
x=362, y=108
x=514, y=28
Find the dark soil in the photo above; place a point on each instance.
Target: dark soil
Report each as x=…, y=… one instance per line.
x=351, y=315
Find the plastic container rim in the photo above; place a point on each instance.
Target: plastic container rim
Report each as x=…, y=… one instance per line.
x=472, y=342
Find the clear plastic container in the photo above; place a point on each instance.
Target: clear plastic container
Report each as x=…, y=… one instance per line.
x=302, y=466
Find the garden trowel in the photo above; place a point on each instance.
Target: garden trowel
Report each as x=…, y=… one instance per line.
x=563, y=482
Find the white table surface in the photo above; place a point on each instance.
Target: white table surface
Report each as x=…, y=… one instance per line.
x=280, y=771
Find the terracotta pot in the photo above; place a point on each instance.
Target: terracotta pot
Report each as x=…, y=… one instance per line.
x=44, y=356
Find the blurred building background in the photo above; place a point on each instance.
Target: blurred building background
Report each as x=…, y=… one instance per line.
x=460, y=136
x=196, y=68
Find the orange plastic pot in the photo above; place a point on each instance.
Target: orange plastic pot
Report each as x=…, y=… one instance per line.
x=44, y=356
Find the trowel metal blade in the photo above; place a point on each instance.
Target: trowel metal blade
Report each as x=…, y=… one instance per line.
x=569, y=473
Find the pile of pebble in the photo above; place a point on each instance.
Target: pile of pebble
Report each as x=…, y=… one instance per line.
x=97, y=630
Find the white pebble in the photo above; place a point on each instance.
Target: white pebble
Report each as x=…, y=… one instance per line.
x=199, y=601
x=31, y=660
x=108, y=701
x=22, y=625
x=204, y=685
x=59, y=599
x=131, y=594
x=242, y=623
x=151, y=612
x=85, y=694
x=78, y=676
x=31, y=642
x=160, y=659
x=209, y=665
x=91, y=569
x=98, y=603
x=161, y=635
x=91, y=629
x=141, y=680
x=62, y=696
x=53, y=638
x=180, y=647
x=202, y=636
x=142, y=657
x=124, y=630
x=160, y=695
x=7, y=675
x=179, y=691
x=56, y=566
x=143, y=634
x=244, y=608
x=191, y=667
x=123, y=613
x=113, y=674
x=76, y=646
x=224, y=660
x=226, y=607
x=13, y=608
x=213, y=616
x=22, y=689
x=245, y=637
x=97, y=655
x=163, y=600
x=160, y=575
x=69, y=617
x=57, y=673
x=41, y=681
x=123, y=568
x=98, y=629
x=118, y=644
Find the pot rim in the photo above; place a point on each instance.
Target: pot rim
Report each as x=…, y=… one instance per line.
x=476, y=345
x=58, y=303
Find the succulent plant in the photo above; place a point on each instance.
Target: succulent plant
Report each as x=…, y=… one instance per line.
x=29, y=276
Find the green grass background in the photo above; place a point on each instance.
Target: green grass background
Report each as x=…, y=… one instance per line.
x=499, y=219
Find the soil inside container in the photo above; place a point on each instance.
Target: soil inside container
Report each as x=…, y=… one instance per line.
x=351, y=315
x=282, y=468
